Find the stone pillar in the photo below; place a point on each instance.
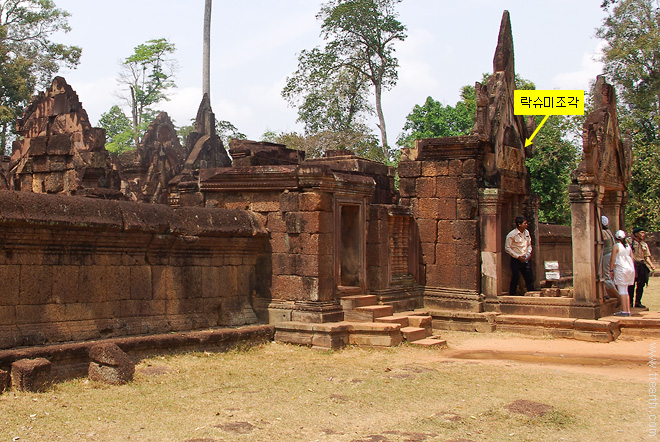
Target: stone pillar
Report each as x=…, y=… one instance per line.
x=612, y=204
x=584, y=199
x=491, y=202
x=532, y=214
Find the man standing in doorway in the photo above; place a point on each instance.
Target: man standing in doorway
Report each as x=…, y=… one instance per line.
x=643, y=265
x=519, y=245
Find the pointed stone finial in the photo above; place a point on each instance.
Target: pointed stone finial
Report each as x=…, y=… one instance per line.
x=503, y=60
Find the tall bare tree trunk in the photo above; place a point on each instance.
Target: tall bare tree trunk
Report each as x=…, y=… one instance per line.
x=381, y=120
x=207, y=49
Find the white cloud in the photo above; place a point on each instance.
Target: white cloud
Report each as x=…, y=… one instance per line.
x=590, y=67
x=94, y=95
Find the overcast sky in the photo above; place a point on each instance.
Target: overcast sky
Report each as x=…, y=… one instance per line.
x=255, y=45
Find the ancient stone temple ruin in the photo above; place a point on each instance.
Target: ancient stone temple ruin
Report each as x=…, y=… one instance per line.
x=60, y=151
x=322, y=251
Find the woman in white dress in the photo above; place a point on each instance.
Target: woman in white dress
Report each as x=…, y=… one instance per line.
x=622, y=270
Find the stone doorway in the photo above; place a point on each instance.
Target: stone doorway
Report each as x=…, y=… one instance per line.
x=350, y=273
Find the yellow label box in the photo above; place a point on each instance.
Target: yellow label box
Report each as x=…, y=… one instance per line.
x=548, y=102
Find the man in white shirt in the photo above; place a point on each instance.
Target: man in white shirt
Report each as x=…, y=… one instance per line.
x=519, y=245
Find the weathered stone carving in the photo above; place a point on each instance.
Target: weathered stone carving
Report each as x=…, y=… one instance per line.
x=495, y=120
x=148, y=169
x=254, y=153
x=607, y=157
x=205, y=150
x=61, y=152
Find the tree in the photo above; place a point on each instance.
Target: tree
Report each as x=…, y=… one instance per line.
x=334, y=100
x=433, y=119
x=632, y=61
x=555, y=157
x=118, y=130
x=362, y=143
x=360, y=35
x=28, y=57
x=555, y=147
x=148, y=75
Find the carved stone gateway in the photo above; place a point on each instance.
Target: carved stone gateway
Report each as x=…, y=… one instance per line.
x=599, y=188
x=465, y=192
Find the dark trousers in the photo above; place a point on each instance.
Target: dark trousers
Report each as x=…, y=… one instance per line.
x=641, y=279
x=517, y=268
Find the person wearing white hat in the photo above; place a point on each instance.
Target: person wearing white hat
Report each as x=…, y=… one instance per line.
x=622, y=270
x=606, y=253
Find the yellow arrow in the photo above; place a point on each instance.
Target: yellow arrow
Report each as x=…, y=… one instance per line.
x=528, y=141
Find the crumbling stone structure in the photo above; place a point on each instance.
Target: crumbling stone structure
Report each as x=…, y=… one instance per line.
x=333, y=231
x=204, y=150
x=60, y=151
x=147, y=170
x=599, y=188
x=319, y=247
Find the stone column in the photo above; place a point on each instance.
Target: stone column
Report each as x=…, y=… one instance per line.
x=584, y=199
x=491, y=202
x=612, y=203
x=532, y=214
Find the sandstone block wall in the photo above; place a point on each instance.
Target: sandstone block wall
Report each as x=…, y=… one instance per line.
x=443, y=198
x=555, y=244
x=78, y=269
x=299, y=266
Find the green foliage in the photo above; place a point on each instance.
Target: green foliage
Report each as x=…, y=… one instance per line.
x=118, y=130
x=644, y=205
x=147, y=75
x=362, y=142
x=327, y=98
x=432, y=119
x=632, y=61
x=555, y=157
x=28, y=57
x=331, y=83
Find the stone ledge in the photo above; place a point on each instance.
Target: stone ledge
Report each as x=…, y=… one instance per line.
x=71, y=360
x=65, y=211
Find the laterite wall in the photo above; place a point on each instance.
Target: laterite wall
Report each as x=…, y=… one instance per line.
x=78, y=268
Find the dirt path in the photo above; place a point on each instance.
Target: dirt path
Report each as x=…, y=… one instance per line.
x=624, y=358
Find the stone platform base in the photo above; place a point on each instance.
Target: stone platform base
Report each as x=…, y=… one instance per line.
x=336, y=335
x=605, y=329
x=72, y=360
x=548, y=306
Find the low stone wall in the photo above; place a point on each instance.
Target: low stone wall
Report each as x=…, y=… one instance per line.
x=556, y=245
x=76, y=269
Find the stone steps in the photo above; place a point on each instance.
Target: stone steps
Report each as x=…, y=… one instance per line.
x=365, y=323
x=432, y=341
x=411, y=334
x=368, y=313
x=355, y=301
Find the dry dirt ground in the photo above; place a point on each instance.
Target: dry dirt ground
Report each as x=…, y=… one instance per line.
x=482, y=388
x=626, y=358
